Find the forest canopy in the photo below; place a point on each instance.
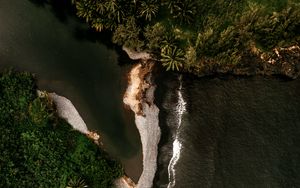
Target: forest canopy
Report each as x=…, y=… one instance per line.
x=38, y=149
x=184, y=34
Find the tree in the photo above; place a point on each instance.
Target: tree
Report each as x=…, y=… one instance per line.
x=84, y=10
x=76, y=182
x=190, y=56
x=184, y=11
x=38, y=149
x=155, y=35
x=114, y=11
x=149, y=9
x=100, y=7
x=172, y=57
x=128, y=35
x=111, y=5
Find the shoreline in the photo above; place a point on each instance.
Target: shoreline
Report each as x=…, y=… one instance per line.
x=276, y=63
x=139, y=97
x=281, y=61
x=133, y=55
x=67, y=111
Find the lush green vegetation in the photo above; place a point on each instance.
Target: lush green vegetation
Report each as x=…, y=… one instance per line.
x=190, y=34
x=40, y=150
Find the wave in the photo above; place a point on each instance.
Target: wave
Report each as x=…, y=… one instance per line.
x=177, y=146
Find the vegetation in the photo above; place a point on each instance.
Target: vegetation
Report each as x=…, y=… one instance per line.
x=40, y=150
x=208, y=32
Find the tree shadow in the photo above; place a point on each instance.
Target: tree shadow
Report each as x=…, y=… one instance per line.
x=39, y=3
x=63, y=10
x=85, y=33
x=123, y=58
x=104, y=37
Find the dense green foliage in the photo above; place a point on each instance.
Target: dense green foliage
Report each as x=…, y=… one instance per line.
x=214, y=31
x=40, y=150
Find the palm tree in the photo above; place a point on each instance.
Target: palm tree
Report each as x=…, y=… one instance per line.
x=170, y=4
x=84, y=10
x=76, y=182
x=127, y=34
x=100, y=7
x=114, y=10
x=111, y=5
x=98, y=24
x=149, y=9
x=184, y=11
x=172, y=57
x=169, y=39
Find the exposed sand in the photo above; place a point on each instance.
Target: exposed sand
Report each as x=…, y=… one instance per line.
x=124, y=182
x=136, y=55
x=140, y=96
x=67, y=111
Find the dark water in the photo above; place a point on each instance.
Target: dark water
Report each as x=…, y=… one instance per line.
x=241, y=132
x=72, y=61
x=236, y=132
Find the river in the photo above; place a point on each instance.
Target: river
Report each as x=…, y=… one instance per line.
x=216, y=131
x=233, y=132
x=74, y=62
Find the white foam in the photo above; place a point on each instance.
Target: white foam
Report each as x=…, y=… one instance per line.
x=177, y=146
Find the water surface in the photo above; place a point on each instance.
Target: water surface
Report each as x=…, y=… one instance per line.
x=236, y=132
x=54, y=46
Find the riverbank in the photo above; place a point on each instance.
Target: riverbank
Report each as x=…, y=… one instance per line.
x=139, y=97
x=204, y=37
x=37, y=142
x=281, y=61
x=67, y=111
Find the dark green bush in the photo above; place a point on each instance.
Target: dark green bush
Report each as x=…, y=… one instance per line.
x=219, y=30
x=40, y=150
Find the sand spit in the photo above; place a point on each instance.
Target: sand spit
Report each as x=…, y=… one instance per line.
x=139, y=97
x=67, y=111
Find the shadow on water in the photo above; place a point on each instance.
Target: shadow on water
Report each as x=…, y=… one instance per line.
x=65, y=13
x=39, y=3
x=64, y=10
x=46, y=38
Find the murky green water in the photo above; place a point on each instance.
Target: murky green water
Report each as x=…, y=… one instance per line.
x=59, y=50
